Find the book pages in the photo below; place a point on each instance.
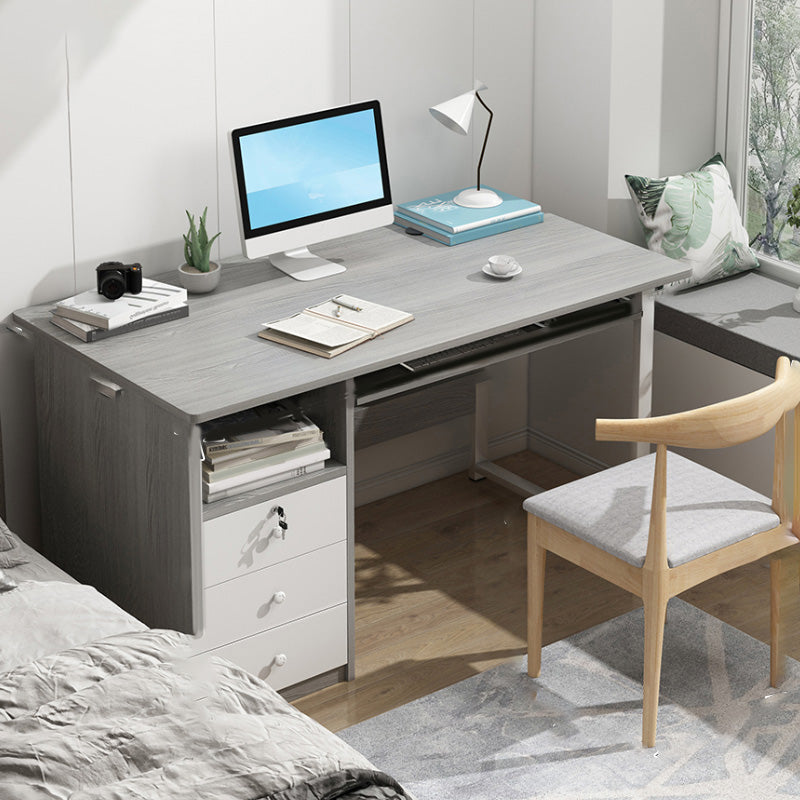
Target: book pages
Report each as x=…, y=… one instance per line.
x=372, y=316
x=319, y=330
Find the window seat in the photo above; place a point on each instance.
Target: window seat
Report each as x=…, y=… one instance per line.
x=747, y=319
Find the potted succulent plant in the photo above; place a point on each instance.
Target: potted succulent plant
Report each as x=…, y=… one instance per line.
x=199, y=274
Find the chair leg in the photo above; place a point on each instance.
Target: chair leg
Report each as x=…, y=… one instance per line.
x=655, y=612
x=536, y=564
x=784, y=582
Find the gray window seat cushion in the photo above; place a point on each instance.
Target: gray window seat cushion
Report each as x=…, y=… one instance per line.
x=611, y=509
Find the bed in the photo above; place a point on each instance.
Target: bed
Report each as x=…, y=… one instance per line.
x=93, y=704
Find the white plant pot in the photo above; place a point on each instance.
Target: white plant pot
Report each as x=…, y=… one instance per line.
x=196, y=282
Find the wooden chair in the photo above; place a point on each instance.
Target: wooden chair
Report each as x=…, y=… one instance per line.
x=697, y=525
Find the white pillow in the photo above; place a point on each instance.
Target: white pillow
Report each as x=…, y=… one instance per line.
x=694, y=218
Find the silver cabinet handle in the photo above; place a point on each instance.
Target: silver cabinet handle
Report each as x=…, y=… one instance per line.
x=105, y=387
x=21, y=332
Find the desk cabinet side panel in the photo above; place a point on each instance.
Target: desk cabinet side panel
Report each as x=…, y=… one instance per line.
x=115, y=478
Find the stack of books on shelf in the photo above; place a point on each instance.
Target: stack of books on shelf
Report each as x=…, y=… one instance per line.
x=90, y=316
x=258, y=447
x=440, y=218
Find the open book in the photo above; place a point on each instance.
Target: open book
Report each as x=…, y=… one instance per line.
x=334, y=326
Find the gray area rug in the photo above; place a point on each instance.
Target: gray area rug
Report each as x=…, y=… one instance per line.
x=575, y=732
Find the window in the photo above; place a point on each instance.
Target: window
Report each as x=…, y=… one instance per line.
x=760, y=68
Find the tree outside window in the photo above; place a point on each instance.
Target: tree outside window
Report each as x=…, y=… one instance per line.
x=773, y=163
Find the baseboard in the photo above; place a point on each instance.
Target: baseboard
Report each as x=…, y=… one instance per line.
x=562, y=454
x=431, y=469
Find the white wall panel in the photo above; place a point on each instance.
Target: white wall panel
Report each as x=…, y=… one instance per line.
x=410, y=56
x=35, y=219
x=689, y=87
x=572, y=62
x=635, y=97
x=274, y=60
x=504, y=62
x=34, y=156
x=143, y=130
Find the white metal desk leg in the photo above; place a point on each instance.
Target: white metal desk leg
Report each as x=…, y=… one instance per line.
x=480, y=428
x=643, y=363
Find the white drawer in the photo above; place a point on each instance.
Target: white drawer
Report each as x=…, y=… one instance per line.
x=274, y=596
x=293, y=652
x=249, y=539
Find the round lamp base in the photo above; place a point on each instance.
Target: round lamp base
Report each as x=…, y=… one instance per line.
x=477, y=198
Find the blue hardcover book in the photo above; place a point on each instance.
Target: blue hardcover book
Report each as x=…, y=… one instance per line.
x=441, y=212
x=469, y=235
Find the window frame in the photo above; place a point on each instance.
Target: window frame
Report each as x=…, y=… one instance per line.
x=733, y=103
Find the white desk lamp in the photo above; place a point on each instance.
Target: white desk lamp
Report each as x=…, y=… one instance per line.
x=456, y=115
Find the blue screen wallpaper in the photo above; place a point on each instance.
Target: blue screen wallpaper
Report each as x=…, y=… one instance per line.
x=311, y=168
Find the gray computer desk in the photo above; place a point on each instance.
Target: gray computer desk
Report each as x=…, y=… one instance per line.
x=119, y=442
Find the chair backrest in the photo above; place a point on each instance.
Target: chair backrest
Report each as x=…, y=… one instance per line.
x=719, y=425
x=730, y=422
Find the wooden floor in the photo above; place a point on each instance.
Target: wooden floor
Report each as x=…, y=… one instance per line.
x=440, y=593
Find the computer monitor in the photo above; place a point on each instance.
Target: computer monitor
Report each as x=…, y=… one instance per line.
x=307, y=179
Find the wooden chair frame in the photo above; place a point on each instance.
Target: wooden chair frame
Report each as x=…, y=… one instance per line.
x=719, y=425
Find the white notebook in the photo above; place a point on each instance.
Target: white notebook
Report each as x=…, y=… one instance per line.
x=336, y=325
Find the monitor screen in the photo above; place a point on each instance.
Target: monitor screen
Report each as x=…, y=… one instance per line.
x=317, y=168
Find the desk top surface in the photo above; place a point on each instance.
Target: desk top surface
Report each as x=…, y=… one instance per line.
x=213, y=362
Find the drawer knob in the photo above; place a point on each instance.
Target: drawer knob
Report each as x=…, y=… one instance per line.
x=278, y=597
x=279, y=659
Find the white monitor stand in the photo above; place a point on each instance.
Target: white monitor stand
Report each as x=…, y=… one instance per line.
x=303, y=265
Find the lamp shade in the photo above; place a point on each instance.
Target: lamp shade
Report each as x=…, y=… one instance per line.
x=456, y=113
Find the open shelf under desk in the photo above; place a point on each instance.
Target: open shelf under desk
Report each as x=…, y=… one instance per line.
x=219, y=508
x=396, y=400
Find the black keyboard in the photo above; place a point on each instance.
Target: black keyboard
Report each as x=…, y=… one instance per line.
x=508, y=340
x=402, y=374
x=487, y=346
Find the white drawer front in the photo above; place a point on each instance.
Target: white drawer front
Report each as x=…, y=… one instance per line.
x=251, y=538
x=293, y=652
x=274, y=596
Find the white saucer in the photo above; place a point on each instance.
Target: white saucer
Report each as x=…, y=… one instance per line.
x=488, y=271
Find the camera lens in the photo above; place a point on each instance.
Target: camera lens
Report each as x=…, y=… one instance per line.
x=112, y=284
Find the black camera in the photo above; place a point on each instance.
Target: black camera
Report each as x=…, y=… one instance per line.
x=115, y=278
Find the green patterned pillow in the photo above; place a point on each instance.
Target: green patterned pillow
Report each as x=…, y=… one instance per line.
x=694, y=218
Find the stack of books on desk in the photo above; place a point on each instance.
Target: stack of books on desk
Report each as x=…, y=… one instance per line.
x=440, y=218
x=258, y=447
x=90, y=316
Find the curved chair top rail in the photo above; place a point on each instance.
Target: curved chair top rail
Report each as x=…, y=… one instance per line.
x=723, y=424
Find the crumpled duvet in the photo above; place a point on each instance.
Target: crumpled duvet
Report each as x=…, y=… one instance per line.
x=128, y=717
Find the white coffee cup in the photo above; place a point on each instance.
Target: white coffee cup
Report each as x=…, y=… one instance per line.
x=502, y=265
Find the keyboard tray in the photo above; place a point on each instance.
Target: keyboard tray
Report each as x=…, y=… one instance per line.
x=482, y=351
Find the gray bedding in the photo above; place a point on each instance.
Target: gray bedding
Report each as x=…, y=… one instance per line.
x=128, y=717
x=94, y=706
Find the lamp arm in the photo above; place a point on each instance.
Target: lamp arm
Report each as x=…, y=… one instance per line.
x=485, y=138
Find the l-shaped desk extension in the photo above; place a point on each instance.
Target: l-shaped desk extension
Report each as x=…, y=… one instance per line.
x=119, y=447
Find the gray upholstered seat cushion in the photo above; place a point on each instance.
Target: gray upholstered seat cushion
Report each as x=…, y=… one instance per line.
x=611, y=509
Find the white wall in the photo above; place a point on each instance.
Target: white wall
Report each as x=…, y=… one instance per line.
x=635, y=93
x=116, y=116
